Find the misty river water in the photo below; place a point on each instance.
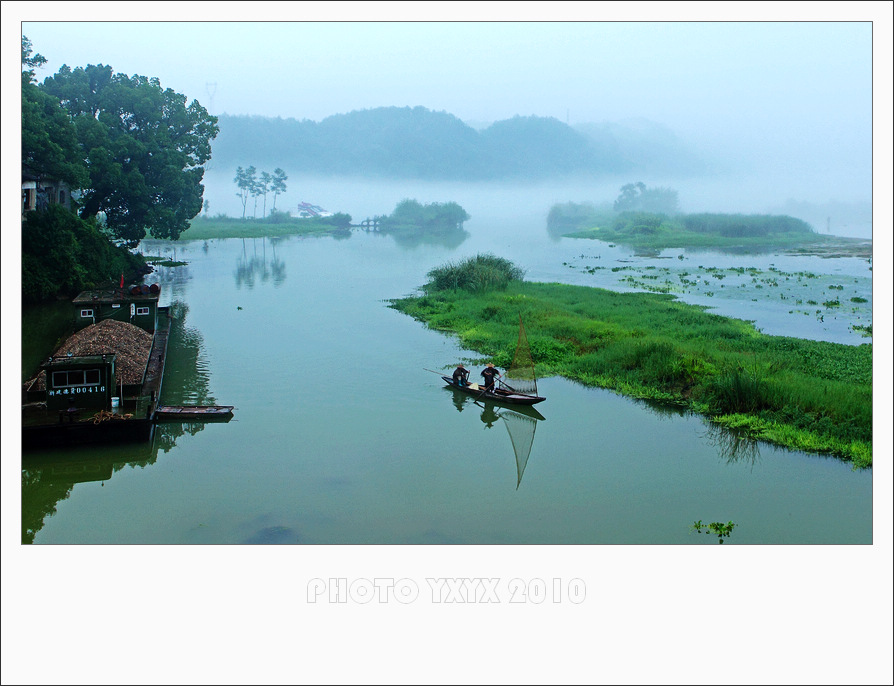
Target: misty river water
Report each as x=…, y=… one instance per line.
x=341, y=435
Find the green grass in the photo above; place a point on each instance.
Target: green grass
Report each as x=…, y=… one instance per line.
x=208, y=228
x=807, y=395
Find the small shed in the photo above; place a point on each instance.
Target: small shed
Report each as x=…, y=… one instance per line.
x=136, y=305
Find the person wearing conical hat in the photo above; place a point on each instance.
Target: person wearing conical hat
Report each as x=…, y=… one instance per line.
x=489, y=372
x=461, y=375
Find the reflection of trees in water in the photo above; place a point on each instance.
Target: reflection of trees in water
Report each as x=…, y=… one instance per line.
x=187, y=378
x=664, y=410
x=253, y=266
x=413, y=239
x=733, y=446
x=39, y=501
x=49, y=479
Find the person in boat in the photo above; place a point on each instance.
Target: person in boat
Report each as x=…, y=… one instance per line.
x=461, y=375
x=489, y=372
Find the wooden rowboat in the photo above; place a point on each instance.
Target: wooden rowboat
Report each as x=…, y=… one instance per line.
x=500, y=395
x=193, y=412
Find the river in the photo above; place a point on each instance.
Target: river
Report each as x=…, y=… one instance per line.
x=341, y=435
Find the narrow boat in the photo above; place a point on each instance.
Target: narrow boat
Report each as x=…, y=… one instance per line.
x=520, y=385
x=496, y=394
x=205, y=413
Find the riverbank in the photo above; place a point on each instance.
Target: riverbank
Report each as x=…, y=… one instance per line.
x=801, y=394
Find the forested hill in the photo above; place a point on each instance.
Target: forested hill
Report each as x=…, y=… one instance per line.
x=417, y=142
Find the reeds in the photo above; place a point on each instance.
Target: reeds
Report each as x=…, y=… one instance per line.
x=479, y=274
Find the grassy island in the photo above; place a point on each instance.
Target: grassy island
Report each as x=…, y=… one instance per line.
x=661, y=230
x=276, y=224
x=807, y=395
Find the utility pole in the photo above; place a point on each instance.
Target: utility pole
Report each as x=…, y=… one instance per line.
x=211, y=89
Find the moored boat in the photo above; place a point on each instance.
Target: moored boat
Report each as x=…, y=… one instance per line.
x=203, y=413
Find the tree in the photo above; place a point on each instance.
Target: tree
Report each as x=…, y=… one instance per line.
x=49, y=139
x=279, y=184
x=30, y=60
x=636, y=197
x=263, y=188
x=144, y=148
x=256, y=192
x=245, y=182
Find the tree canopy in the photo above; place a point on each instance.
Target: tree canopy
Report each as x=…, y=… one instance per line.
x=637, y=197
x=411, y=213
x=143, y=147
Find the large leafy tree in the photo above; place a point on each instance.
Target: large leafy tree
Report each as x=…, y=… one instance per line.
x=144, y=148
x=49, y=140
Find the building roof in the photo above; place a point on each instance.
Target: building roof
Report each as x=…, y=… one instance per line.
x=117, y=295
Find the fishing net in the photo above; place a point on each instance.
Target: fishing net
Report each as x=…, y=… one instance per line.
x=521, y=430
x=520, y=375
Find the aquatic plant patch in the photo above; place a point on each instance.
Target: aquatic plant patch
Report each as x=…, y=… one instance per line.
x=801, y=293
x=800, y=393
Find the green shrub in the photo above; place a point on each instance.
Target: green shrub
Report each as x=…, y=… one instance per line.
x=479, y=274
x=63, y=254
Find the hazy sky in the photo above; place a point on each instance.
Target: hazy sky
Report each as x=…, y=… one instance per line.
x=787, y=90
x=688, y=75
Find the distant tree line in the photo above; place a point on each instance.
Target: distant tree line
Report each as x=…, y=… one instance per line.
x=404, y=142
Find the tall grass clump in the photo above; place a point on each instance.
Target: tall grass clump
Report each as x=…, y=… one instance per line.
x=479, y=274
x=741, y=390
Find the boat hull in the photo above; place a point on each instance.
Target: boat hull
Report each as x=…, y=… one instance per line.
x=496, y=395
x=204, y=413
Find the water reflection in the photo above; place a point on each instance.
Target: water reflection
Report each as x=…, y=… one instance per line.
x=49, y=478
x=733, y=446
x=520, y=422
x=187, y=375
x=253, y=264
x=413, y=239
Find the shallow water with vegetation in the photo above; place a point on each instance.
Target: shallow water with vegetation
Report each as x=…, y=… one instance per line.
x=340, y=435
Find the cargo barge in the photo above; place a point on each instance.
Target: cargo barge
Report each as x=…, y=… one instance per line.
x=104, y=382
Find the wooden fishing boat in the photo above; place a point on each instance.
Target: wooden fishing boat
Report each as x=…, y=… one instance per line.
x=520, y=385
x=497, y=394
x=185, y=413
